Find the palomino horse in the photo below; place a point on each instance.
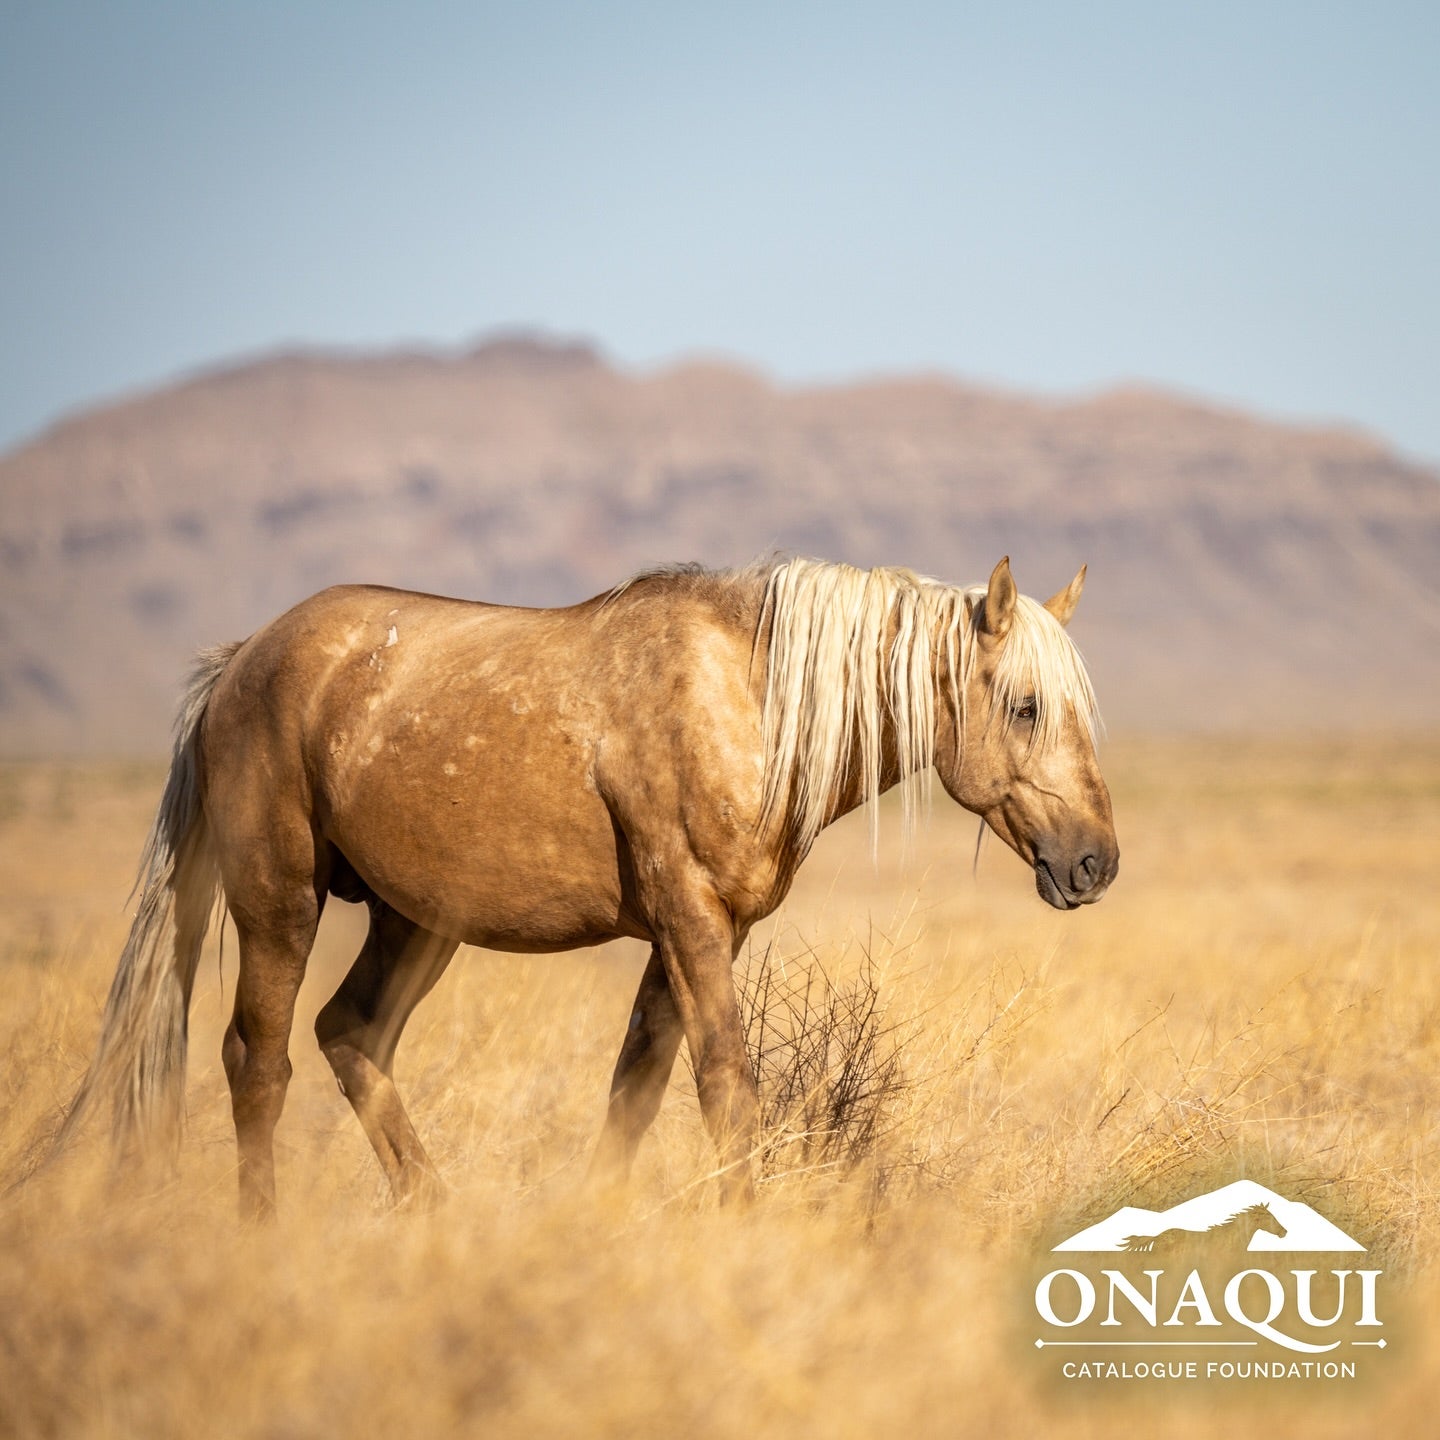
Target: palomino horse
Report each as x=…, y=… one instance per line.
x=655, y=762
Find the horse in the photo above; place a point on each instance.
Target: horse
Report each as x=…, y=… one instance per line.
x=654, y=762
x=1234, y=1234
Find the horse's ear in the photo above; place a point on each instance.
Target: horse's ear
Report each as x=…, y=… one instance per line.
x=1062, y=604
x=1000, y=596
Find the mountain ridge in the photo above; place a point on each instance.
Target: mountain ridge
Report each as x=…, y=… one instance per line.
x=1243, y=574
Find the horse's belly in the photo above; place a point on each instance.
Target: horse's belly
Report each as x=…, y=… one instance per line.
x=500, y=855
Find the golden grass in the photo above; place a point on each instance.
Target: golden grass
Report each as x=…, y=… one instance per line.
x=1258, y=995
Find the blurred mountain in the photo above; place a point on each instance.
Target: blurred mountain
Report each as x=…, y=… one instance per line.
x=1243, y=574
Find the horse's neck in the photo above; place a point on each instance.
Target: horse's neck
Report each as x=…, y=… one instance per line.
x=852, y=791
x=851, y=794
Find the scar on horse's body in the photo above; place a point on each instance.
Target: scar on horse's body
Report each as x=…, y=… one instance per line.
x=653, y=763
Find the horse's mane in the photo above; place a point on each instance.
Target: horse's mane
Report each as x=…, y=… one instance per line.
x=848, y=648
x=1241, y=1214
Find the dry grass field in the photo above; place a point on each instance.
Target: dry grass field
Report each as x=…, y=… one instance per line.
x=1258, y=995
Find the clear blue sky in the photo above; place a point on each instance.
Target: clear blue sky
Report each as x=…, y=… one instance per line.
x=1237, y=198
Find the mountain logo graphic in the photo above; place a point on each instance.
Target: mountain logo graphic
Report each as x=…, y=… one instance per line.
x=1229, y=1285
x=1241, y=1216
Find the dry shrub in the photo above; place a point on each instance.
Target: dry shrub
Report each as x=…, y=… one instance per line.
x=828, y=1058
x=871, y=1065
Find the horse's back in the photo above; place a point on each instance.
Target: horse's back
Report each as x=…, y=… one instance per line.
x=457, y=754
x=310, y=672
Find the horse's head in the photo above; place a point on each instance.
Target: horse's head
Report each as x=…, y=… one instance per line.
x=1265, y=1219
x=1024, y=751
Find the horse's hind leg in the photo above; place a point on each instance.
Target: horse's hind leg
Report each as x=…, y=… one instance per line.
x=360, y=1027
x=256, y=1048
x=641, y=1073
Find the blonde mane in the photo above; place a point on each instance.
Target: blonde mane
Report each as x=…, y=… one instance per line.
x=852, y=650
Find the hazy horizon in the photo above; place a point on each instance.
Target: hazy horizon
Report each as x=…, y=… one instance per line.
x=1237, y=205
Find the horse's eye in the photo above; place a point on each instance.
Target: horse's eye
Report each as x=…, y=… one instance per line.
x=1025, y=710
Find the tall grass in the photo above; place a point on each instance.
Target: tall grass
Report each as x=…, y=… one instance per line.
x=945, y=1093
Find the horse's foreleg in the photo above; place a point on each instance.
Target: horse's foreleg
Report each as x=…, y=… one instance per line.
x=697, y=944
x=359, y=1029
x=641, y=1073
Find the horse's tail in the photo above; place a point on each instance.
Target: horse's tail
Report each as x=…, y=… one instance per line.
x=139, y=1064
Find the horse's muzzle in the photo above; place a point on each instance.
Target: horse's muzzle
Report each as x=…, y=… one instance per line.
x=1088, y=879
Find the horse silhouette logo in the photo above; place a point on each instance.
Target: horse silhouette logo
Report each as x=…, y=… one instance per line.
x=1238, y=1218
x=1229, y=1236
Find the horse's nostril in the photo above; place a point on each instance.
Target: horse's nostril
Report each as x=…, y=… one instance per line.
x=1085, y=874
